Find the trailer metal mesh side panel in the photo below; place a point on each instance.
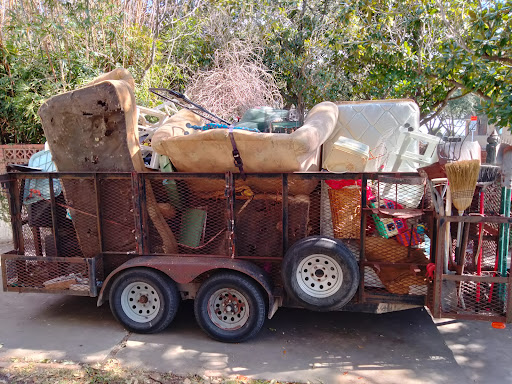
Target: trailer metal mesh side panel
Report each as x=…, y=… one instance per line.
x=195, y=210
x=474, y=292
x=72, y=230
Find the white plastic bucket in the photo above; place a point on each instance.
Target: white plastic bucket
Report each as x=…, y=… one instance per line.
x=347, y=155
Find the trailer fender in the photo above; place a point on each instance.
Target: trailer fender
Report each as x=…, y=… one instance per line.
x=184, y=269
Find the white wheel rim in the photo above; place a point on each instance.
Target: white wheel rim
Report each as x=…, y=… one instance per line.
x=319, y=276
x=140, y=302
x=228, y=309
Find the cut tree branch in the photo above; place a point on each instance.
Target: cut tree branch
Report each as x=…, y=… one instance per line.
x=440, y=105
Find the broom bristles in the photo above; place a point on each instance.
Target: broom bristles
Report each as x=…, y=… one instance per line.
x=462, y=176
x=488, y=173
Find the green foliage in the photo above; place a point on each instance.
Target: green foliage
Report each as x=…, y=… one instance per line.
x=429, y=51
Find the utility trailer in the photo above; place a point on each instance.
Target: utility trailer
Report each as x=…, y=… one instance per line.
x=243, y=248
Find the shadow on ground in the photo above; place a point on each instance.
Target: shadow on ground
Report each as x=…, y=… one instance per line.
x=298, y=345
x=42, y=326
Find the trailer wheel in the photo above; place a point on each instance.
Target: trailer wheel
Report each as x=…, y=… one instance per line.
x=320, y=273
x=230, y=307
x=144, y=301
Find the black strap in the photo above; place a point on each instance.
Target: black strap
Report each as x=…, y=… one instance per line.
x=236, y=155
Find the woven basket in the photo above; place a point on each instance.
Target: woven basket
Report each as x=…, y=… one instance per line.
x=391, y=251
x=402, y=284
x=346, y=212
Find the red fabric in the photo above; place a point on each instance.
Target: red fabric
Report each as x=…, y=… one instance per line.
x=338, y=184
x=404, y=238
x=431, y=268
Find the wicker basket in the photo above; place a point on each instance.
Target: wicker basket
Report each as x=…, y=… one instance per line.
x=346, y=212
x=402, y=284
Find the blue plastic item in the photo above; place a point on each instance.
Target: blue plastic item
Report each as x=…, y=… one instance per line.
x=209, y=126
x=39, y=189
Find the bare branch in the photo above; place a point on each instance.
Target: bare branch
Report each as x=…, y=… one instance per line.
x=239, y=81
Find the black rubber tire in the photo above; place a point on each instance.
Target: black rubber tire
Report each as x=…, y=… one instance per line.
x=255, y=302
x=164, y=289
x=339, y=253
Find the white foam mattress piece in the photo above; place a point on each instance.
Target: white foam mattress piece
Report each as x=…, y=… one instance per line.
x=378, y=124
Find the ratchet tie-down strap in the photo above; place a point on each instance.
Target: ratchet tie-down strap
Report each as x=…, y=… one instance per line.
x=236, y=155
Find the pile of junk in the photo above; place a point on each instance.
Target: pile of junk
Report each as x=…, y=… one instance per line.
x=99, y=128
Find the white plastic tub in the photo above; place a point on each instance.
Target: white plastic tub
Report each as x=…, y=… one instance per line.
x=347, y=155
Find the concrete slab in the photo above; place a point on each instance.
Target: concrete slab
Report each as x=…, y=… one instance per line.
x=297, y=345
x=484, y=353
x=43, y=326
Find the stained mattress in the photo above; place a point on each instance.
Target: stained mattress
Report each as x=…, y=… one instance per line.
x=378, y=124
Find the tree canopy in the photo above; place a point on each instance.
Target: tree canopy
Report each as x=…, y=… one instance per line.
x=434, y=52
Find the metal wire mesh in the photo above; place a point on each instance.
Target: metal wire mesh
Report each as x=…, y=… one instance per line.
x=463, y=292
x=193, y=211
x=74, y=276
x=117, y=216
x=395, y=253
x=120, y=216
x=474, y=298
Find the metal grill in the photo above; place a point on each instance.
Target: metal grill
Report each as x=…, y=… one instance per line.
x=114, y=217
x=188, y=215
x=69, y=275
x=393, y=267
x=468, y=290
x=396, y=252
x=116, y=231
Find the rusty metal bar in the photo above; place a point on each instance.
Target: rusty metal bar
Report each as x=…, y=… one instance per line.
x=15, y=211
x=4, y=274
x=475, y=278
x=285, y=213
x=44, y=290
x=143, y=212
x=432, y=223
x=466, y=316
x=137, y=214
x=479, y=219
x=362, y=237
x=93, y=289
x=49, y=259
x=55, y=220
x=394, y=298
x=98, y=211
x=69, y=175
x=438, y=275
x=390, y=264
x=37, y=241
x=186, y=175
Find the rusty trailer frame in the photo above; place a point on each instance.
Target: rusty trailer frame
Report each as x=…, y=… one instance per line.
x=222, y=223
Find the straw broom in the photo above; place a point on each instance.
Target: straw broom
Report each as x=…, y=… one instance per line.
x=462, y=176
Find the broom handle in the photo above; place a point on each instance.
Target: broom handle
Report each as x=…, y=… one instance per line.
x=479, y=251
x=448, y=240
x=459, y=236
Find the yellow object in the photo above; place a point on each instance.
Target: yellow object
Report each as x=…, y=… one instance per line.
x=346, y=212
x=462, y=176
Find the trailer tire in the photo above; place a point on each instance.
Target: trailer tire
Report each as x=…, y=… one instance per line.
x=143, y=300
x=320, y=273
x=230, y=307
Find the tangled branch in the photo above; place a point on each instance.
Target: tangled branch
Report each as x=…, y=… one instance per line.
x=238, y=81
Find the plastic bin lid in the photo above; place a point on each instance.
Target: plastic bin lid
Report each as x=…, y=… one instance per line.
x=354, y=145
x=39, y=189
